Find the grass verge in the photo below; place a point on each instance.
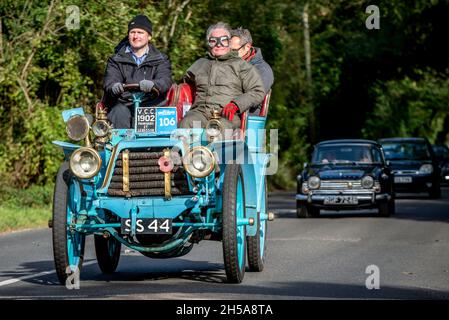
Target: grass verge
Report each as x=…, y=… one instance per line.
x=12, y=219
x=25, y=208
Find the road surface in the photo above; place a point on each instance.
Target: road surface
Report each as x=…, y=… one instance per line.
x=330, y=257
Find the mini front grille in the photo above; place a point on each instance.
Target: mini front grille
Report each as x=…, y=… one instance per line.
x=145, y=177
x=341, y=185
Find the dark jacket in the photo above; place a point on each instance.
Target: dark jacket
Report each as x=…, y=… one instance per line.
x=121, y=67
x=264, y=69
x=220, y=80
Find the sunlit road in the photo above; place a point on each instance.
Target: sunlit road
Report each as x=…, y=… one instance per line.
x=323, y=258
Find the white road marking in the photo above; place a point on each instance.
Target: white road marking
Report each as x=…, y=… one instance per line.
x=37, y=275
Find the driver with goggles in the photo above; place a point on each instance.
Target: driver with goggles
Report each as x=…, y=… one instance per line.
x=223, y=82
x=218, y=41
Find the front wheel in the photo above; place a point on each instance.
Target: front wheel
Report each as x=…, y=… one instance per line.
x=387, y=209
x=68, y=244
x=435, y=192
x=108, y=253
x=307, y=211
x=234, y=236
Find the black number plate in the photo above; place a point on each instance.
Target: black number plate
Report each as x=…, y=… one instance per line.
x=341, y=200
x=148, y=226
x=146, y=119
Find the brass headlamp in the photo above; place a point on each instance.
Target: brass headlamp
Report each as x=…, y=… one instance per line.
x=101, y=127
x=199, y=162
x=214, y=128
x=85, y=162
x=77, y=127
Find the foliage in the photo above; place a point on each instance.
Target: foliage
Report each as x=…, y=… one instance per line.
x=409, y=107
x=365, y=83
x=33, y=197
x=48, y=67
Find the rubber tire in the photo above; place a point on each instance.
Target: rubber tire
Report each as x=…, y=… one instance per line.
x=305, y=211
x=256, y=261
x=387, y=209
x=435, y=192
x=392, y=207
x=107, y=260
x=234, y=272
x=59, y=230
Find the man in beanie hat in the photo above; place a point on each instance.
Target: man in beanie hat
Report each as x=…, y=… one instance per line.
x=142, y=22
x=136, y=61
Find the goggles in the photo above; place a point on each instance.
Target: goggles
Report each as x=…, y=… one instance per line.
x=240, y=47
x=215, y=41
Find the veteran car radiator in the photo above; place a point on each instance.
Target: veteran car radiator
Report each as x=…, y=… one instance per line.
x=137, y=173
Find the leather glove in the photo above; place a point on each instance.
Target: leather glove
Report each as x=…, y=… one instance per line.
x=230, y=110
x=117, y=89
x=146, y=85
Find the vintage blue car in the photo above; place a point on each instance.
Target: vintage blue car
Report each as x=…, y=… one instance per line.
x=158, y=189
x=345, y=175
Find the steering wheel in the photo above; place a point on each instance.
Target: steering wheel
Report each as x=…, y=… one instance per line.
x=133, y=93
x=136, y=87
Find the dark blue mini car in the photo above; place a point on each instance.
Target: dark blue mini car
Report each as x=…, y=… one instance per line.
x=413, y=164
x=345, y=174
x=442, y=154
